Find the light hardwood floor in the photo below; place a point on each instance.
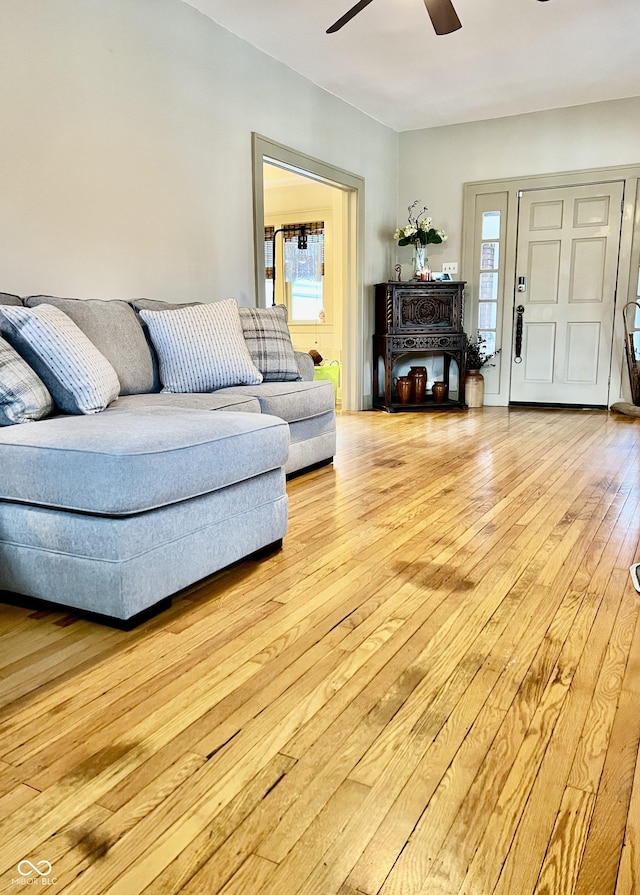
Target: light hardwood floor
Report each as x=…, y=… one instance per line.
x=434, y=688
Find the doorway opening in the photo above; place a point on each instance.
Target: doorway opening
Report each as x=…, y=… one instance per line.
x=317, y=278
x=307, y=280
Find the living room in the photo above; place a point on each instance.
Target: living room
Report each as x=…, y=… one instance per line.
x=204, y=751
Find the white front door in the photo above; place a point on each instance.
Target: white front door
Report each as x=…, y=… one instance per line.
x=567, y=260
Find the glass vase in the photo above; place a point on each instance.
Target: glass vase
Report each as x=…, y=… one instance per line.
x=419, y=260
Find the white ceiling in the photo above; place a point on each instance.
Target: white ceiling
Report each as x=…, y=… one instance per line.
x=510, y=56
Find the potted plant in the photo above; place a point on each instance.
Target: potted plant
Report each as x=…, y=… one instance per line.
x=419, y=233
x=477, y=357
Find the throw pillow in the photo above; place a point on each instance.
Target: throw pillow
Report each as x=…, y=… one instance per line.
x=23, y=396
x=114, y=328
x=201, y=348
x=266, y=333
x=79, y=377
x=154, y=304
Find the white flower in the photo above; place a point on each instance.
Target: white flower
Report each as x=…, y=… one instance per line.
x=419, y=229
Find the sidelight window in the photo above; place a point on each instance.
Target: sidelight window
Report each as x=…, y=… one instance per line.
x=489, y=277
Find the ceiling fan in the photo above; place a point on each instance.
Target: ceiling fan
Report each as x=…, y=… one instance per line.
x=441, y=12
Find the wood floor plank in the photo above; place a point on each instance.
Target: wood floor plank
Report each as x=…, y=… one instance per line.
x=89, y=841
x=232, y=836
x=295, y=867
x=628, y=881
x=445, y=863
x=562, y=861
x=485, y=868
x=599, y=867
x=432, y=689
x=535, y=828
x=591, y=749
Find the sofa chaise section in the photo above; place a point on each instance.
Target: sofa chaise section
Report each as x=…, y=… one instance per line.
x=113, y=513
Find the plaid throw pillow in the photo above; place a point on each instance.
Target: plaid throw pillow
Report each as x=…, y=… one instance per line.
x=267, y=336
x=23, y=396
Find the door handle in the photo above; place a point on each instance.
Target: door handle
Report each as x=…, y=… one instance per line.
x=519, y=315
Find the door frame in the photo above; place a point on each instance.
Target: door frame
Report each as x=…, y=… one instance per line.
x=353, y=304
x=498, y=384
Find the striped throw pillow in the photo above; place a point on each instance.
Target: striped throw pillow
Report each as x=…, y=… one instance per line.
x=266, y=333
x=79, y=377
x=23, y=396
x=201, y=348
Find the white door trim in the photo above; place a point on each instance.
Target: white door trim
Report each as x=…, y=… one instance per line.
x=627, y=266
x=353, y=305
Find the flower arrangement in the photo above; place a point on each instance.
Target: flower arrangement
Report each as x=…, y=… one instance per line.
x=477, y=356
x=419, y=231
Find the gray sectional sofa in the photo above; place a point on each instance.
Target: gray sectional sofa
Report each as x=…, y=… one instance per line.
x=112, y=513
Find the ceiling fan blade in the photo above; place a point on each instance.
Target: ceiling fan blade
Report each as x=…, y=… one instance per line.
x=443, y=16
x=348, y=16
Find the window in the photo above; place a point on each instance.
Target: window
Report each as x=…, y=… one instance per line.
x=488, y=291
x=300, y=270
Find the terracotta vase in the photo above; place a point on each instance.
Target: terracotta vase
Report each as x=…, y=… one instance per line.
x=403, y=386
x=474, y=388
x=439, y=391
x=418, y=377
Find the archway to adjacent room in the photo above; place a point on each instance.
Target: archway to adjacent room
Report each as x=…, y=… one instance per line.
x=290, y=186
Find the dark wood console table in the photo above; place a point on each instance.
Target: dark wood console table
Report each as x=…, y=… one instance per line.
x=417, y=320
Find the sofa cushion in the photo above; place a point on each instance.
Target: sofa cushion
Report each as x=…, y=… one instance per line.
x=290, y=400
x=23, y=395
x=266, y=333
x=7, y=299
x=116, y=464
x=204, y=401
x=115, y=330
x=201, y=348
x=79, y=377
x=305, y=365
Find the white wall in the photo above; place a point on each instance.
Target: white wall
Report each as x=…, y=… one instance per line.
x=435, y=163
x=125, y=158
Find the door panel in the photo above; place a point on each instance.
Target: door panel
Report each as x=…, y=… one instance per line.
x=544, y=272
x=587, y=282
x=582, y=351
x=590, y=212
x=539, y=347
x=546, y=215
x=568, y=241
